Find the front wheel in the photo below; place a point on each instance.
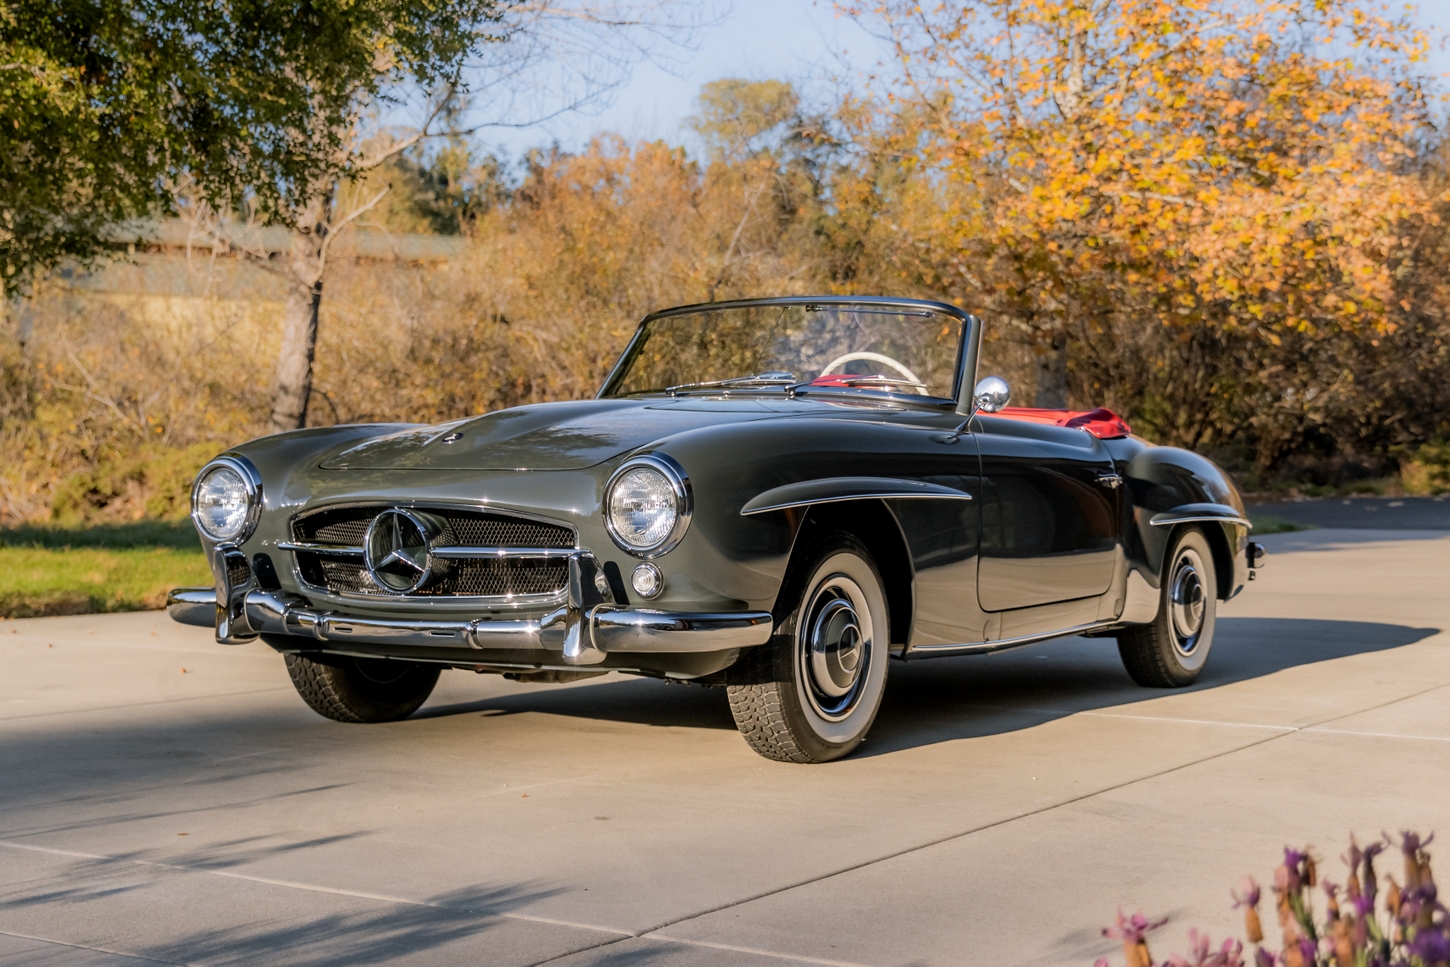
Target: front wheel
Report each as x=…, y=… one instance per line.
x=362, y=689
x=816, y=690
x=1172, y=650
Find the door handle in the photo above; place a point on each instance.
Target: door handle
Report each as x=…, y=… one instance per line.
x=1110, y=480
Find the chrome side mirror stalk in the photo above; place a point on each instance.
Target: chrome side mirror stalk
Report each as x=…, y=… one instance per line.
x=990, y=395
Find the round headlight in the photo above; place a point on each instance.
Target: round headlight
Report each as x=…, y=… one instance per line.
x=647, y=506
x=224, y=502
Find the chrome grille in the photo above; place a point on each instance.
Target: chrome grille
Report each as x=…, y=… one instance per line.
x=342, y=570
x=348, y=525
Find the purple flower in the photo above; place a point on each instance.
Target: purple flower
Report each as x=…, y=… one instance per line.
x=1262, y=958
x=1431, y=947
x=1247, y=894
x=1131, y=930
x=1411, y=843
x=1231, y=954
x=1371, y=885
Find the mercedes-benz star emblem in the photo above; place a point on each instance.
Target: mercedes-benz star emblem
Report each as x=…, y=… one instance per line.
x=396, y=551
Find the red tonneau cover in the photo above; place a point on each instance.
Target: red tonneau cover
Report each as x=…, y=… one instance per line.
x=1101, y=423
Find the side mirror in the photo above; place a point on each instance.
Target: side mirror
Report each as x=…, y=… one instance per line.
x=991, y=394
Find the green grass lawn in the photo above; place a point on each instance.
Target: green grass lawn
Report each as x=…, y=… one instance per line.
x=1269, y=524
x=123, y=567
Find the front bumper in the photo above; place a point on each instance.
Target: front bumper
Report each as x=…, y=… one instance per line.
x=577, y=635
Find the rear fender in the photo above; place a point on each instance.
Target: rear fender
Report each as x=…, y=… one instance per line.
x=1172, y=489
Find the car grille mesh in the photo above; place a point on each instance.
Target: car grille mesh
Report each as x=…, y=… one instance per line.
x=490, y=577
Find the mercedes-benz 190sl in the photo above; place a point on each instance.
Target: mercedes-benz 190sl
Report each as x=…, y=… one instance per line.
x=775, y=496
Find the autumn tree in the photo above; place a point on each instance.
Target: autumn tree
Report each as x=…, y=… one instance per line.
x=1240, y=166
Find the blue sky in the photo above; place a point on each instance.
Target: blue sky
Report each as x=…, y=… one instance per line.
x=804, y=41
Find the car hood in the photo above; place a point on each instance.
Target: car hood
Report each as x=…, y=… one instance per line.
x=547, y=436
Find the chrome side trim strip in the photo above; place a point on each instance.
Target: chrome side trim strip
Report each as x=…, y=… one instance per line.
x=833, y=490
x=988, y=647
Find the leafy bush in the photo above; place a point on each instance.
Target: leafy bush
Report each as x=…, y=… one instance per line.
x=1427, y=469
x=153, y=483
x=1411, y=928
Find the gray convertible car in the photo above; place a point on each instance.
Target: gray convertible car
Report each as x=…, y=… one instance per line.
x=774, y=496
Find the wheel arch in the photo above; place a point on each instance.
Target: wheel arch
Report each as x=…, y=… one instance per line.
x=872, y=523
x=1220, y=545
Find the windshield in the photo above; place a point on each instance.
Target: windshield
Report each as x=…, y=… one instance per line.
x=853, y=346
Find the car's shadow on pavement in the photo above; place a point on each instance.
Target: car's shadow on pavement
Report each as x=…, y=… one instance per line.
x=929, y=702
x=953, y=698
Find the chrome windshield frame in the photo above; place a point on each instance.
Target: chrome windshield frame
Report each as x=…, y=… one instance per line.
x=968, y=350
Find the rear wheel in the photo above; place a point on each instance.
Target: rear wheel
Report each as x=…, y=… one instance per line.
x=362, y=689
x=1172, y=650
x=812, y=694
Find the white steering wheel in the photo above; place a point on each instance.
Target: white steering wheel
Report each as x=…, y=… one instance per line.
x=877, y=358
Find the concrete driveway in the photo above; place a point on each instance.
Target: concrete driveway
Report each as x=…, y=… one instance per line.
x=167, y=800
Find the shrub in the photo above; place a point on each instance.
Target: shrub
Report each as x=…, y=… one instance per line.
x=154, y=484
x=1427, y=469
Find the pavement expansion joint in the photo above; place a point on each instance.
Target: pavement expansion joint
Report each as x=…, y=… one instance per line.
x=209, y=697
x=796, y=958
x=100, y=950
x=315, y=888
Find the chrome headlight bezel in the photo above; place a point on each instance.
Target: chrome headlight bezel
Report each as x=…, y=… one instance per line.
x=679, y=483
x=251, y=481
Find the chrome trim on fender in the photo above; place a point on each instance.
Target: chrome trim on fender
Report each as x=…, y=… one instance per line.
x=832, y=490
x=192, y=606
x=1200, y=513
x=1162, y=520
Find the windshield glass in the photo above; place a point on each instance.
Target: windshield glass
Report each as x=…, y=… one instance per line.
x=764, y=347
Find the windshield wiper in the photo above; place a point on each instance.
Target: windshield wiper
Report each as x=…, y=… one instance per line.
x=758, y=379
x=835, y=381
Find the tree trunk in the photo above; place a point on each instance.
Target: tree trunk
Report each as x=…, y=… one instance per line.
x=305, y=263
x=1052, y=372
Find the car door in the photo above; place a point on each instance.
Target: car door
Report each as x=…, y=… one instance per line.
x=1049, y=505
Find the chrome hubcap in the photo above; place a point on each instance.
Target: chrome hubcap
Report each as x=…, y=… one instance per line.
x=1186, y=601
x=835, y=650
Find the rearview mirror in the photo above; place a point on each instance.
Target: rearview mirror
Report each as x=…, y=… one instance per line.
x=991, y=394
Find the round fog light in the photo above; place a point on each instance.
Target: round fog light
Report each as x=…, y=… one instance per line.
x=648, y=580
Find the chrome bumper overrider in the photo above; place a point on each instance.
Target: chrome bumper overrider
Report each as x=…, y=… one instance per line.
x=583, y=632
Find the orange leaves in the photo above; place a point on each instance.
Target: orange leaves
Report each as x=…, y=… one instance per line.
x=1230, y=143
